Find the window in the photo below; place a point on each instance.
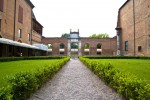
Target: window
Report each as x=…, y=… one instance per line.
x=1, y=5
x=19, y=33
x=49, y=46
x=139, y=48
x=20, y=15
x=74, y=35
x=99, y=46
x=62, y=46
x=126, y=45
x=87, y=46
x=28, y=36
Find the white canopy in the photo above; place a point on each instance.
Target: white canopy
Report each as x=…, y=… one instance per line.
x=15, y=43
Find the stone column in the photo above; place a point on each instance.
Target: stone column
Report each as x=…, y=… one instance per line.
x=79, y=48
x=69, y=47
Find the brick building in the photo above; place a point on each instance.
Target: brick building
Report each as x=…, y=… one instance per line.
x=20, y=32
x=76, y=45
x=133, y=28
x=21, y=35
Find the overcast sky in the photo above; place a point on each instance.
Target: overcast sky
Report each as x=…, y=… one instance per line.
x=89, y=16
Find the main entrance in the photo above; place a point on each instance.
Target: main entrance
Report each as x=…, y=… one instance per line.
x=74, y=45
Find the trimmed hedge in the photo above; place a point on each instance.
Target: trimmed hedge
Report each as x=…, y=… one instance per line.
x=24, y=84
x=116, y=57
x=123, y=83
x=6, y=59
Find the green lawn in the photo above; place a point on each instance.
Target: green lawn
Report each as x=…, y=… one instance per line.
x=10, y=68
x=137, y=67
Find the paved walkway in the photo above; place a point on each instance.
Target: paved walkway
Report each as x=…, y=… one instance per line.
x=75, y=82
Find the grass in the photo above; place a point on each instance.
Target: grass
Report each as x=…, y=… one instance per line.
x=10, y=68
x=136, y=67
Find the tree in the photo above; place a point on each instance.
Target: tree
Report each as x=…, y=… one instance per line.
x=74, y=45
x=66, y=35
x=102, y=35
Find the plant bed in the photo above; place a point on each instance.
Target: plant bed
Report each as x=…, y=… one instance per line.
x=7, y=59
x=23, y=84
x=117, y=57
x=124, y=83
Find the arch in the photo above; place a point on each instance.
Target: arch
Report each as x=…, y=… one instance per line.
x=1, y=36
x=49, y=46
x=74, y=45
x=86, y=46
x=62, y=46
x=49, y=49
x=86, y=49
x=62, y=49
x=99, y=46
x=99, y=49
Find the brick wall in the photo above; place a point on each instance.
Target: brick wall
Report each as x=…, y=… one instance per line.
x=7, y=19
x=109, y=45
x=55, y=42
x=36, y=37
x=7, y=16
x=142, y=27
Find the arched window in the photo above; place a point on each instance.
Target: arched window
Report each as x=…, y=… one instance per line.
x=74, y=45
x=86, y=46
x=99, y=49
x=49, y=49
x=62, y=46
x=99, y=46
x=49, y=46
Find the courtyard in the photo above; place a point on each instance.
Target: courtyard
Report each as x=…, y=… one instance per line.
x=75, y=81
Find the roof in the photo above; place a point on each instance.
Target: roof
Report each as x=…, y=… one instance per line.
x=41, y=47
x=74, y=32
x=30, y=3
x=124, y=4
x=37, y=22
x=33, y=15
x=118, y=20
x=15, y=43
x=96, y=38
x=34, y=18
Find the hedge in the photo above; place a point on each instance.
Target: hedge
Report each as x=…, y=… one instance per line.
x=123, y=83
x=24, y=84
x=6, y=59
x=116, y=57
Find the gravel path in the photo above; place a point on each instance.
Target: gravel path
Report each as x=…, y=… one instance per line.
x=75, y=82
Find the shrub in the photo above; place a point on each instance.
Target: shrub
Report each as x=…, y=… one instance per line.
x=23, y=84
x=123, y=83
x=5, y=93
x=116, y=57
x=6, y=59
